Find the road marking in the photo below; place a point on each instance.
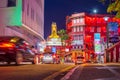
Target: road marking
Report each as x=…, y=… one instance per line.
x=113, y=78
x=52, y=76
x=106, y=67
x=67, y=76
x=113, y=71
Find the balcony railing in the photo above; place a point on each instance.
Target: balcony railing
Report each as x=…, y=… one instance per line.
x=113, y=53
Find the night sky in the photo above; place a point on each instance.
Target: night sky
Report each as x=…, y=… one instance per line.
x=57, y=10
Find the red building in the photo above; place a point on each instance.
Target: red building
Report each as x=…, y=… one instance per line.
x=81, y=28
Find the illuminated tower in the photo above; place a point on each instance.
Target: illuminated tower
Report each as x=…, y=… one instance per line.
x=53, y=31
x=53, y=40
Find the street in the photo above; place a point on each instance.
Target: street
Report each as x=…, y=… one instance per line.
x=88, y=71
x=109, y=71
x=59, y=39
x=32, y=72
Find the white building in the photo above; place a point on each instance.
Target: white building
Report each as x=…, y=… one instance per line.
x=23, y=18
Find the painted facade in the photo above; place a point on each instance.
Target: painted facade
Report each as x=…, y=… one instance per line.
x=23, y=18
x=82, y=27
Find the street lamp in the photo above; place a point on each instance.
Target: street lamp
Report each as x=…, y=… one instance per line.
x=107, y=32
x=107, y=38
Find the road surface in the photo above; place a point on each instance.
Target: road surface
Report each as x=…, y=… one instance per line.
x=109, y=71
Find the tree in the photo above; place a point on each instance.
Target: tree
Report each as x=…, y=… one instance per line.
x=63, y=35
x=114, y=6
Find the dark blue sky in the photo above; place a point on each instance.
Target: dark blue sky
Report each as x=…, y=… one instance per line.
x=57, y=10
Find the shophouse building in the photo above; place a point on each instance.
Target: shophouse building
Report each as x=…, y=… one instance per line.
x=89, y=34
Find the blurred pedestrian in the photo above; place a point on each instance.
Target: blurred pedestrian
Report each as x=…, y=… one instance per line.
x=34, y=50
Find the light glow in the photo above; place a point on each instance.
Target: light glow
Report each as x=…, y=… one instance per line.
x=95, y=11
x=3, y=45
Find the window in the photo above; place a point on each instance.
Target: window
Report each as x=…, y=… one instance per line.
x=98, y=29
x=22, y=5
x=78, y=29
x=27, y=9
x=81, y=28
x=92, y=29
x=81, y=20
x=74, y=21
x=74, y=29
x=77, y=20
x=11, y=3
x=32, y=14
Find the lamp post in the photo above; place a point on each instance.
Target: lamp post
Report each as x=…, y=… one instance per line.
x=107, y=38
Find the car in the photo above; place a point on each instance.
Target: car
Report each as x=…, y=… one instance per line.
x=79, y=60
x=16, y=49
x=49, y=57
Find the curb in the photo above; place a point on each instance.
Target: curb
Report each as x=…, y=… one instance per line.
x=51, y=77
x=67, y=76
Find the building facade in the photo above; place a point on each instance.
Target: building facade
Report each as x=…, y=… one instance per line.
x=53, y=43
x=23, y=18
x=75, y=29
x=83, y=28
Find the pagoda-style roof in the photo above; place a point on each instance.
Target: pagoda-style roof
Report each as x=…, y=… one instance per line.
x=53, y=31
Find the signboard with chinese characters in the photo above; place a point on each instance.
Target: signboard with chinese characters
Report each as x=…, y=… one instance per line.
x=97, y=44
x=113, y=32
